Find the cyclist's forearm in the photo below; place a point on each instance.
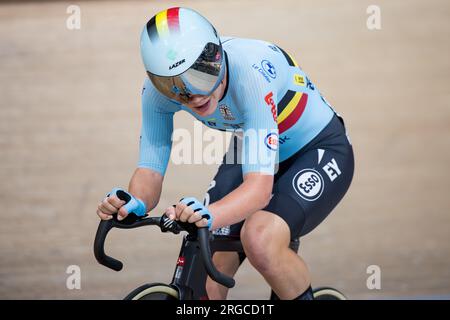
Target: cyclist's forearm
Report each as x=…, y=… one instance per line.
x=252, y=195
x=146, y=185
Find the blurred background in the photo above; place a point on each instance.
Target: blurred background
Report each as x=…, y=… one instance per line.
x=69, y=132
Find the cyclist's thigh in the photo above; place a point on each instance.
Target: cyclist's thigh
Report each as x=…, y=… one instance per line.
x=315, y=181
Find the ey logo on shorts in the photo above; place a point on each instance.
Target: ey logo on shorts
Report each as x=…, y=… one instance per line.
x=308, y=184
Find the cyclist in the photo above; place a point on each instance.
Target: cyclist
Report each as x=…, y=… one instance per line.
x=288, y=165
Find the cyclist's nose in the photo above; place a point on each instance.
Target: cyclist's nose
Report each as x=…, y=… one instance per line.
x=197, y=98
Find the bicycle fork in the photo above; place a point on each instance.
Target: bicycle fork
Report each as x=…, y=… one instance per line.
x=190, y=274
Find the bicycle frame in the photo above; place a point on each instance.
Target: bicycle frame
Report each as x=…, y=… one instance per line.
x=190, y=275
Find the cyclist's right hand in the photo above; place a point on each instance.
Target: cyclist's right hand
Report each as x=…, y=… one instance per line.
x=111, y=205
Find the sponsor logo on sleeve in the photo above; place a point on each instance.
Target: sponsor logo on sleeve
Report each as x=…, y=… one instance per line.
x=309, y=84
x=283, y=139
x=299, y=80
x=261, y=71
x=308, y=184
x=271, y=141
x=269, y=100
x=269, y=68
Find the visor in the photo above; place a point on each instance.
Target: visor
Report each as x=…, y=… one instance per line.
x=202, y=78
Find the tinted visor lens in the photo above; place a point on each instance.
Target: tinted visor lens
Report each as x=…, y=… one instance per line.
x=171, y=87
x=201, y=78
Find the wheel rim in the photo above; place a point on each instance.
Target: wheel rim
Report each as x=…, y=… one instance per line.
x=329, y=291
x=157, y=289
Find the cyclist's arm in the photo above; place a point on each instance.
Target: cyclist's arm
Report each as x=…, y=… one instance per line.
x=252, y=195
x=260, y=144
x=154, y=148
x=146, y=184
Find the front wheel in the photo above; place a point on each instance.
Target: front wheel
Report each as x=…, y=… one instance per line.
x=327, y=293
x=153, y=291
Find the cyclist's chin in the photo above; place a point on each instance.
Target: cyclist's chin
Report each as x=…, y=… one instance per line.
x=206, y=109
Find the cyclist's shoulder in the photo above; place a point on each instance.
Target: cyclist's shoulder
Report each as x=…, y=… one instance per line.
x=152, y=99
x=236, y=42
x=244, y=49
x=258, y=62
x=249, y=57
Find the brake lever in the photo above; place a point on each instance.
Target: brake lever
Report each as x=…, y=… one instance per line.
x=190, y=228
x=168, y=225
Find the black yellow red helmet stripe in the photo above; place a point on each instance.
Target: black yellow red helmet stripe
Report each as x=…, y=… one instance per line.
x=163, y=24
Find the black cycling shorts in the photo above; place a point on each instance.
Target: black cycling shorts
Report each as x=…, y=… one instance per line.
x=307, y=186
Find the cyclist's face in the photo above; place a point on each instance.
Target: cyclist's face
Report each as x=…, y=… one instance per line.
x=206, y=105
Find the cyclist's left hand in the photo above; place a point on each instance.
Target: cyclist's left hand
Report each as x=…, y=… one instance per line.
x=191, y=210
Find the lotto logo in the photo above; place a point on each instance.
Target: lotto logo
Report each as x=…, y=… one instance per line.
x=308, y=184
x=268, y=99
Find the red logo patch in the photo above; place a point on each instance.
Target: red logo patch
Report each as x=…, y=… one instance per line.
x=268, y=99
x=180, y=261
x=271, y=141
